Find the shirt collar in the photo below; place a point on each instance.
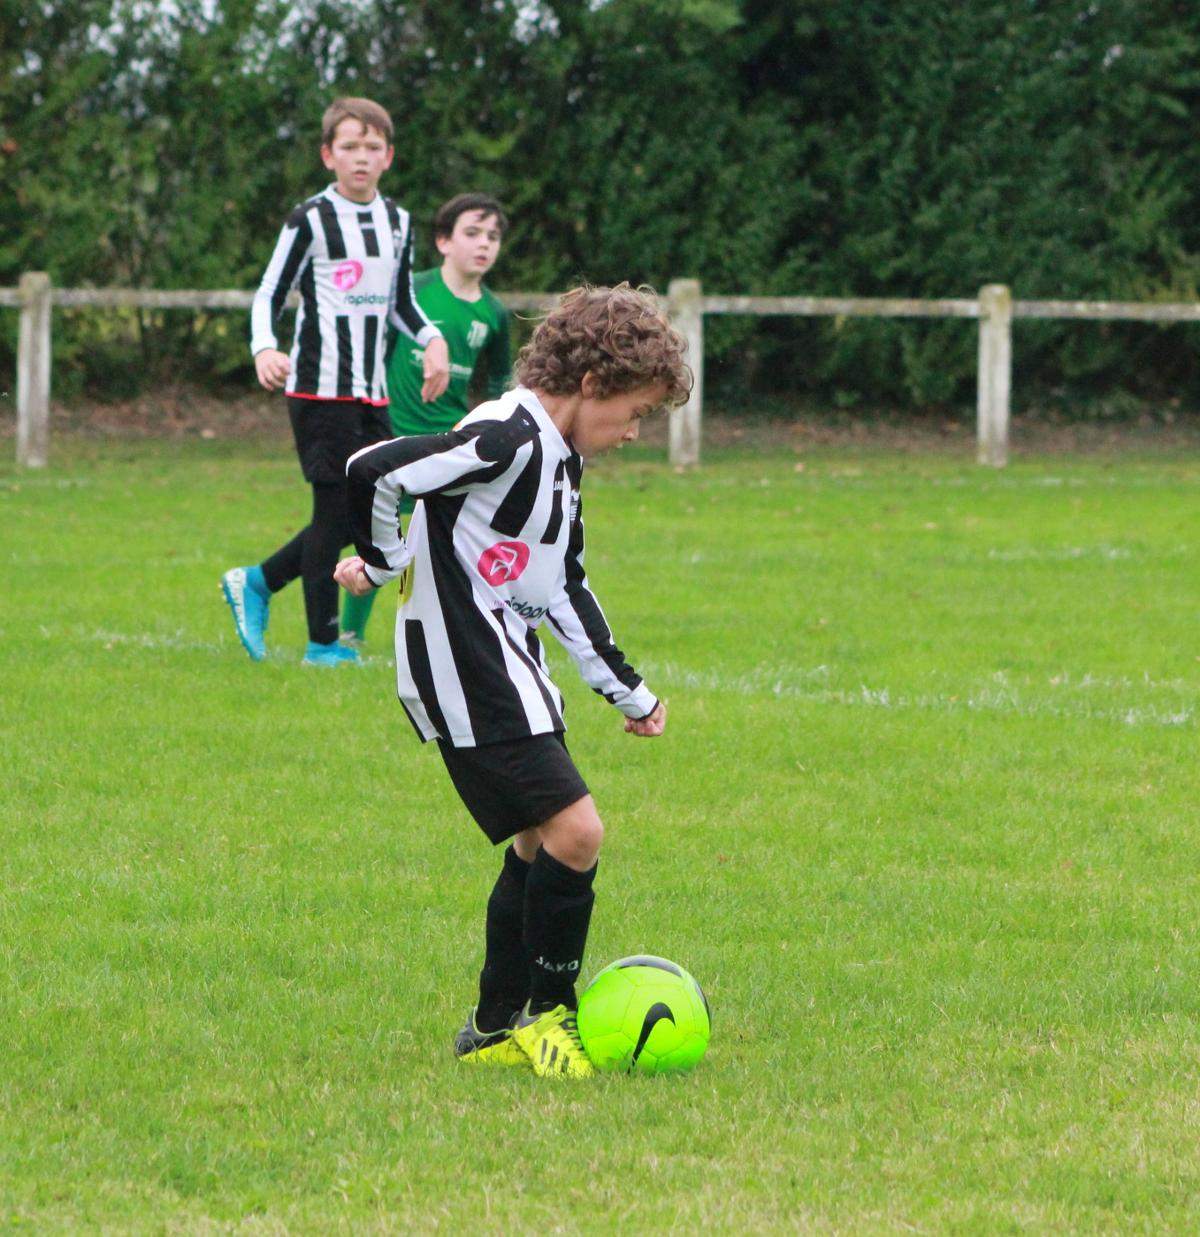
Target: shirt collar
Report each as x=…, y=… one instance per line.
x=334, y=196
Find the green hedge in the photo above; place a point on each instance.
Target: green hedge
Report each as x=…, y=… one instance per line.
x=808, y=146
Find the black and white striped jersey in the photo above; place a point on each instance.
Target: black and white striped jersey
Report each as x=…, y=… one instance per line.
x=353, y=263
x=494, y=547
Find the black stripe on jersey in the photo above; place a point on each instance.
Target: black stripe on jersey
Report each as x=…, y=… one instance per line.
x=370, y=340
x=589, y=614
x=345, y=358
x=334, y=240
x=291, y=265
x=534, y=645
x=549, y=701
x=308, y=364
x=481, y=476
x=500, y=440
x=557, y=498
x=493, y=702
x=404, y=303
x=422, y=673
x=299, y=213
x=517, y=506
x=364, y=471
x=393, y=215
x=366, y=224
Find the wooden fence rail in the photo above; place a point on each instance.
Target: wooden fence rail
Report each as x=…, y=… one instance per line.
x=994, y=308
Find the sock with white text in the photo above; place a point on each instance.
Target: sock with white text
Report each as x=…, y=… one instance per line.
x=558, y=909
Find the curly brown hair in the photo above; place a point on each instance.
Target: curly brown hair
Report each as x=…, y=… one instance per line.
x=621, y=336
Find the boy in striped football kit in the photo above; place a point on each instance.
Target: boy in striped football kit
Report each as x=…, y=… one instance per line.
x=467, y=230
x=350, y=251
x=494, y=548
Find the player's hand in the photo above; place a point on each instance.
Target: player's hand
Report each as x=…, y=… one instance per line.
x=436, y=367
x=350, y=573
x=272, y=367
x=649, y=727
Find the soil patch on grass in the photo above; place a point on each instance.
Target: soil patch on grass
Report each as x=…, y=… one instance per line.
x=183, y=413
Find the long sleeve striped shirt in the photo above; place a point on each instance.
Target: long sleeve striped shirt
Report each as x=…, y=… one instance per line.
x=353, y=263
x=494, y=548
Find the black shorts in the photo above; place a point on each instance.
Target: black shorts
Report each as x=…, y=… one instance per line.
x=516, y=784
x=329, y=431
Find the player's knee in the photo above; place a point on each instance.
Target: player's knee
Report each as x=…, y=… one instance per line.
x=574, y=836
x=588, y=836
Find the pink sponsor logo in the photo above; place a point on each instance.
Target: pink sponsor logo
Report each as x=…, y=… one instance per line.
x=503, y=562
x=347, y=275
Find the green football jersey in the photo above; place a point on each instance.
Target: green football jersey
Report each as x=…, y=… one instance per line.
x=470, y=328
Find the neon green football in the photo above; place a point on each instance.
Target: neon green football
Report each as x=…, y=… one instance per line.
x=644, y=1014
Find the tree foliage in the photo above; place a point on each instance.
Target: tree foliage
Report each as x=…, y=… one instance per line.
x=843, y=147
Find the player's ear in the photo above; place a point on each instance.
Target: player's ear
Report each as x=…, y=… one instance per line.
x=327, y=155
x=587, y=387
x=443, y=244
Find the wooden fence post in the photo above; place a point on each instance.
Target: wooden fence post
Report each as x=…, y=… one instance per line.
x=995, y=374
x=685, y=304
x=33, y=371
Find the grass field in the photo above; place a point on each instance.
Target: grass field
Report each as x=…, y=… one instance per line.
x=923, y=823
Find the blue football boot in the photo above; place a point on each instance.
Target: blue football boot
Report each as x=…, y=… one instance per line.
x=333, y=654
x=249, y=600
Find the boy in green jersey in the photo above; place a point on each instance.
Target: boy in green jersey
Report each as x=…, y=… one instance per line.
x=467, y=230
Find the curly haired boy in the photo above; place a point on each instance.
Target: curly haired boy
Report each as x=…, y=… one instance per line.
x=494, y=550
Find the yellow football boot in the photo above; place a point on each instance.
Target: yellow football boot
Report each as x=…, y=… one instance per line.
x=475, y=1047
x=551, y=1042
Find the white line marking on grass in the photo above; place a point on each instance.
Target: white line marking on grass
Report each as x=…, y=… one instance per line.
x=1108, y=553
x=800, y=684
x=176, y=641
x=29, y=482
x=179, y=642
x=1072, y=553
x=1089, y=681
x=805, y=683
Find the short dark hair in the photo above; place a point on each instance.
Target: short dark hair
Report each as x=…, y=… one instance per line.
x=367, y=112
x=448, y=212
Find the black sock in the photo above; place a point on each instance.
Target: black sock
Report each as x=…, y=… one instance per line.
x=558, y=908
x=504, y=980
x=282, y=567
x=323, y=542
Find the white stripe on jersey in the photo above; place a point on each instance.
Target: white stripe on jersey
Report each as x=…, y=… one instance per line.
x=353, y=264
x=495, y=547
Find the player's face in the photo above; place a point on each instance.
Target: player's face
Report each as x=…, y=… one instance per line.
x=602, y=424
x=358, y=156
x=473, y=246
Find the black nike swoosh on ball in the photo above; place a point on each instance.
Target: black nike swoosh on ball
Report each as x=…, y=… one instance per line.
x=654, y=1015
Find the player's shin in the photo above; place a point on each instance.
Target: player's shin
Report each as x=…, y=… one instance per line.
x=558, y=910
x=355, y=613
x=504, y=980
